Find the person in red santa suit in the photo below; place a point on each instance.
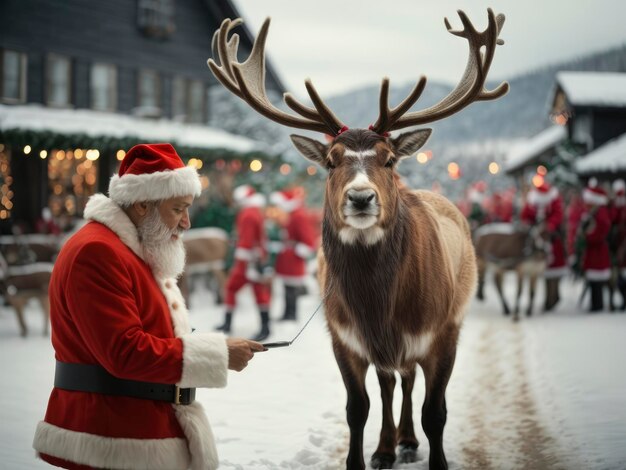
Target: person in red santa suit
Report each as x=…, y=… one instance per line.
x=127, y=363
x=544, y=206
x=299, y=244
x=250, y=259
x=618, y=238
x=595, y=227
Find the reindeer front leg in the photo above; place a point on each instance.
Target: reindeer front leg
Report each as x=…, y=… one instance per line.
x=385, y=453
x=437, y=369
x=353, y=370
x=406, y=430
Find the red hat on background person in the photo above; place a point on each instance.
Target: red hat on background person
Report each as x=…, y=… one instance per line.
x=246, y=196
x=288, y=199
x=542, y=195
x=594, y=195
x=153, y=172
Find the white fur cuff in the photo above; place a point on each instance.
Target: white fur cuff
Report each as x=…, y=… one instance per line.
x=205, y=360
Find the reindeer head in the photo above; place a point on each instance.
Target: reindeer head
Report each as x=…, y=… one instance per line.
x=362, y=189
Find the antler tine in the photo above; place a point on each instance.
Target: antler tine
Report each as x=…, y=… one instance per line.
x=471, y=85
x=388, y=115
x=247, y=81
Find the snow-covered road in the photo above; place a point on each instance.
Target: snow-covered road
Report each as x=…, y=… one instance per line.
x=546, y=393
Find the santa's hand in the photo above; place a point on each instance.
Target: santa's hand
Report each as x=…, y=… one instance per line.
x=240, y=351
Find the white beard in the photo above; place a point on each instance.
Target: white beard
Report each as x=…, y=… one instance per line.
x=166, y=257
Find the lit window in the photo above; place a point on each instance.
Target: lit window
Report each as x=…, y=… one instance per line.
x=149, y=89
x=13, y=72
x=58, y=80
x=196, y=101
x=179, y=99
x=155, y=18
x=103, y=85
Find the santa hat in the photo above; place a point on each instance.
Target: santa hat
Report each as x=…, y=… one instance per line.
x=476, y=192
x=153, y=172
x=246, y=196
x=542, y=195
x=594, y=195
x=619, y=187
x=288, y=199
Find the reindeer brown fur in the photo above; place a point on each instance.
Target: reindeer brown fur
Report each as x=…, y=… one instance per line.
x=397, y=266
x=206, y=250
x=20, y=286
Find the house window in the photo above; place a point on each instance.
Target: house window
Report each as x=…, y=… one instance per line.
x=13, y=74
x=103, y=85
x=149, y=90
x=179, y=99
x=197, y=100
x=58, y=80
x=155, y=18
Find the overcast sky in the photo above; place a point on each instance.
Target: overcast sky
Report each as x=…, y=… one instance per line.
x=342, y=44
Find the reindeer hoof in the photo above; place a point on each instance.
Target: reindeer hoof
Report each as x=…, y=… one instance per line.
x=407, y=453
x=381, y=461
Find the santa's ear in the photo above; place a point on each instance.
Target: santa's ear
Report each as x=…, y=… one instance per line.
x=310, y=149
x=410, y=142
x=141, y=208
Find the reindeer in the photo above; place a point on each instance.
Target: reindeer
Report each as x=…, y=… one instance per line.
x=505, y=247
x=19, y=284
x=206, y=250
x=397, y=267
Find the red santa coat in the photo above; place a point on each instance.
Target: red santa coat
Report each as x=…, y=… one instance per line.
x=299, y=244
x=250, y=248
x=597, y=259
x=107, y=308
x=551, y=214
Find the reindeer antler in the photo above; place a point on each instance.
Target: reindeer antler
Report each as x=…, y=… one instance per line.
x=469, y=89
x=247, y=81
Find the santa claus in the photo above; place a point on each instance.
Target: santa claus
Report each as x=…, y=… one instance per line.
x=250, y=266
x=544, y=206
x=127, y=361
x=299, y=244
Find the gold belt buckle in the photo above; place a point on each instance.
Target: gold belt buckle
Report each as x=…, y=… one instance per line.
x=176, y=395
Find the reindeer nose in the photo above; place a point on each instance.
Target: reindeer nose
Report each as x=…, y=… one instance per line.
x=361, y=198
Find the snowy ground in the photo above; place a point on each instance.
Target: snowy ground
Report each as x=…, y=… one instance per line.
x=546, y=393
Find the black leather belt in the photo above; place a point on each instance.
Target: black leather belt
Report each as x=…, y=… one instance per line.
x=95, y=379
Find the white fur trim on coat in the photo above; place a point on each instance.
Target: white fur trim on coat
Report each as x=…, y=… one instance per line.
x=537, y=198
x=205, y=360
x=102, y=209
x=110, y=452
x=195, y=425
x=157, y=186
x=591, y=197
x=598, y=274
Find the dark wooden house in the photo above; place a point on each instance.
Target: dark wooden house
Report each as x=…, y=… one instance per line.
x=83, y=80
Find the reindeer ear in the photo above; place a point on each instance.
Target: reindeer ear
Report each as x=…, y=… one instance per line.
x=310, y=149
x=410, y=142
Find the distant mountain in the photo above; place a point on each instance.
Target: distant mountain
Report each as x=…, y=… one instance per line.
x=523, y=112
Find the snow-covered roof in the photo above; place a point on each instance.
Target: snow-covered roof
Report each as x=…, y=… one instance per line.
x=594, y=88
x=526, y=152
x=95, y=124
x=609, y=158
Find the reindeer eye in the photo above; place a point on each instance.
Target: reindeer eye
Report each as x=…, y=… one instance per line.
x=329, y=165
x=390, y=163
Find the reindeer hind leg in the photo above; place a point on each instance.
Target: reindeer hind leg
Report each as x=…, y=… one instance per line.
x=18, y=307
